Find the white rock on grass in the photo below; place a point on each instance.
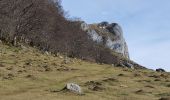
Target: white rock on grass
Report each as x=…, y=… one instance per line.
x=74, y=88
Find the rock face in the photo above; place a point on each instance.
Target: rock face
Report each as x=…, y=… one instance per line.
x=110, y=35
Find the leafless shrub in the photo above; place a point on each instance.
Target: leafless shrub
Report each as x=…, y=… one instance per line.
x=41, y=23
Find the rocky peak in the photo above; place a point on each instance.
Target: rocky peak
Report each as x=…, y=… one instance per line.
x=103, y=24
x=110, y=35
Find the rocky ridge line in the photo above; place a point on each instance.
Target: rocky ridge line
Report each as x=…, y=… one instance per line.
x=109, y=35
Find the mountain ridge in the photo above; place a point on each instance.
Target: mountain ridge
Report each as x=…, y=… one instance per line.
x=110, y=35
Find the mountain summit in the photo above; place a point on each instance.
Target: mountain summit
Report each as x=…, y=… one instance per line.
x=109, y=35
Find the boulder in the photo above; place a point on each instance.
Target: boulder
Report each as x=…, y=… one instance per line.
x=124, y=86
x=126, y=65
x=160, y=70
x=129, y=65
x=61, y=57
x=47, y=53
x=74, y=88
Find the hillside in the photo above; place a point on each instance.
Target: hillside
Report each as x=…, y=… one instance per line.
x=28, y=74
x=42, y=24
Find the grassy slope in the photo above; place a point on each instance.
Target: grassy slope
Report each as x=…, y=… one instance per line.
x=27, y=74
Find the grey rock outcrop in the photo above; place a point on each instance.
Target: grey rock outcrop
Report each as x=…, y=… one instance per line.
x=127, y=65
x=160, y=70
x=110, y=35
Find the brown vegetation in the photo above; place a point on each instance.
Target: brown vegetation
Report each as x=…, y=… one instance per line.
x=41, y=23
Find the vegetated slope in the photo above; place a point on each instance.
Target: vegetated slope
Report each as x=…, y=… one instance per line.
x=28, y=74
x=41, y=24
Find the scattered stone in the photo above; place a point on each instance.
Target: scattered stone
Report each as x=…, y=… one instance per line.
x=124, y=86
x=37, y=54
x=126, y=65
x=93, y=83
x=28, y=63
x=31, y=77
x=121, y=75
x=155, y=76
x=148, y=81
x=61, y=57
x=137, y=75
x=113, y=65
x=74, y=88
x=157, y=80
x=0, y=42
x=65, y=68
x=55, y=64
x=149, y=86
x=62, y=69
x=23, y=47
x=110, y=79
x=9, y=68
x=121, y=65
x=129, y=65
x=21, y=71
x=47, y=68
x=9, y=77
x=94, y=86
x=47, y=53
x=139, y=91
x=160, y=70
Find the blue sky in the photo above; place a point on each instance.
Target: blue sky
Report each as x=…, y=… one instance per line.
x=146, y=25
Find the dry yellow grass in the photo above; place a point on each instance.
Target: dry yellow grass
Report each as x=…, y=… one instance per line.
x=27, y=74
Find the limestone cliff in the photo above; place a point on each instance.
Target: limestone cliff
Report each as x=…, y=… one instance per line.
x=110, y=35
